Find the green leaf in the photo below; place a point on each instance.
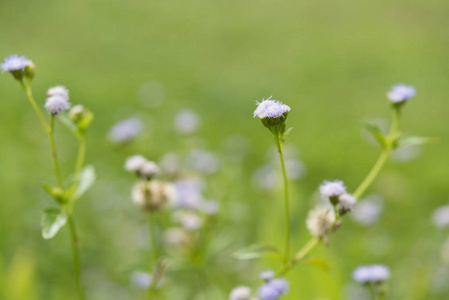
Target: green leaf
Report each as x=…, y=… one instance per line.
x=56, y=192
x=319, y=263
x=256, y=251
x=86, y=120
x=376, y=132
x=414, y=140
x=87, y=179
x=52, y=220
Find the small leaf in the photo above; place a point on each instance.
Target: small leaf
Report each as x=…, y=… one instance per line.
x=414, y=141
x=56, y=192
x=376, y=132
x=86, y=120
x=319, y=263
x=256, y=251
x=287, y=132
x=87, y=179
x=52, y=220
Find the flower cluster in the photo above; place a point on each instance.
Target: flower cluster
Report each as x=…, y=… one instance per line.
x=57, y=100
x=141, y=166
x=272, y=288
x=371, y=274
x=271, y=109
x=400, y=93
x=18, y=66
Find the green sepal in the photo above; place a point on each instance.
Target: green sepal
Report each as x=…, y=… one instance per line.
x=257, y=251
x=376, y=132
x=52, y=220
x=57, y=193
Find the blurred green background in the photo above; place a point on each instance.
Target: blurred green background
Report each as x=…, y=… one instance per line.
x=331, y=61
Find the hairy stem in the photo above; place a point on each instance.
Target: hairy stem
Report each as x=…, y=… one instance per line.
x=27, y=90
x=54, y=155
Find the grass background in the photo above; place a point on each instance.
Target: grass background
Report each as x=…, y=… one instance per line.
x=331, y=61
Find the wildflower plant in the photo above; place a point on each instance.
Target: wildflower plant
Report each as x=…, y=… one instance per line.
x=67, y=191
x=323, y=221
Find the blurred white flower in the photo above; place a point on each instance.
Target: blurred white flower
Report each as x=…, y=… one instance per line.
x=177, y=236
x=58, y=90
x=332, y=188
x=368, y=210
x=319, y=221
x=400, y=93
x=135, y=163
x=125, y=130
x=441, y=217
x=295, y=169
x=57, y=104
x=170, y=163
x=203, y=161
x=153, y=195
x=273, y=289
x=267, y=275
x=271, y=109
x=189, y=193
x=346, y=202
x=373, y=273
x=141, y=280
x=186, y=121
x=149, y=169
x=240, y=293
x=188, y=220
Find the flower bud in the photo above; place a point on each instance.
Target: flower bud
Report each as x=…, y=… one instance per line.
x=153, y=195
x=30, y=70
x=81, y=116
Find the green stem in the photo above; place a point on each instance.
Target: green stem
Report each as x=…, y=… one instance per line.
x=54, y=155
x=373, y=293
x=311, y=244
x=27, y=89
x=315, y=241
x=152, y=231
x=76, y=263
x=287, y=204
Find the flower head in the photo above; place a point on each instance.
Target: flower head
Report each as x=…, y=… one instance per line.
x=240, y=293
x=58, y=90
x=153, y=195
x=149, y=169
x=16, y=65
x=125, y=130
x=267, y=275
x=271, y=109
x=441, y=217
x=346, y=203
x=273, y=289
x=400, y=93
x=371, y=274
x=57, y=104
x=332, y=188
x=320, y=220
x=135, y=163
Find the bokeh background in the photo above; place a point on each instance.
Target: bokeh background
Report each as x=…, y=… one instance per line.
x=331, y=61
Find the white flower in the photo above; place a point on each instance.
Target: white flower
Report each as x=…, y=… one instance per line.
x=186, y=121
x=125, y=130
x=177, y=236
x=56, y=104
x=134, y=163
x=189, y=193
x=188, y=220
x=149, y=169
x=15, y=63
x=374, y=273
x=271, y=109
x=58, y=90
x=332, y=188
x=203, y=161
x=153, y=195
x=319, y=221
x=368, y=211
x=441, y=217
x=141, y=280
x=346, y=202
x=400, y=93
x=267, y=275
x=240, y=293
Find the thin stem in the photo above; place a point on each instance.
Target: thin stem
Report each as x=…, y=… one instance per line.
x=76, y=263
x=311, y=244
x=152, y=231
x=27, y=89
x=373, y=293
x=287, y=204
x=54, y=155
